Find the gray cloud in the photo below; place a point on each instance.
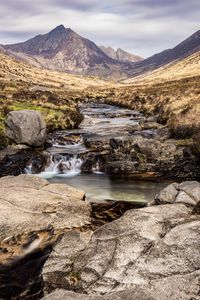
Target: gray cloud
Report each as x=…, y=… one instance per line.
x=141, y=26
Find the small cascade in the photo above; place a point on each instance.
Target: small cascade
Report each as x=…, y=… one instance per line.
x=96, y=169
x=59, y=166
x=70, y=167
x=29, y=169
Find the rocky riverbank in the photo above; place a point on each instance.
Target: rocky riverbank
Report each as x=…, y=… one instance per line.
x=113, y=140
x=125, y=142
x=148, y=253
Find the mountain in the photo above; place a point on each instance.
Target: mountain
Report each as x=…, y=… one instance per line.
x=64, y=50
x=185, y=68
x=181, y=51
x=120, y=54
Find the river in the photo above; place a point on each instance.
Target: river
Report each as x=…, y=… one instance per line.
x=67, y=155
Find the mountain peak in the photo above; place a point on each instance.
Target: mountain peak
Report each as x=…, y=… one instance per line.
x=61, y=28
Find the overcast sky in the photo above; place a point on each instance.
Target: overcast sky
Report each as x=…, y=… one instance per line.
x=142, y=27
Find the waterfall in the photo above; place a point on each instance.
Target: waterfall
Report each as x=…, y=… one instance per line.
x=96, y=169
x=59, y=166
x=29, y=169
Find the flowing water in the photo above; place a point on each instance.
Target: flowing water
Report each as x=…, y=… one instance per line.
x=64, y=163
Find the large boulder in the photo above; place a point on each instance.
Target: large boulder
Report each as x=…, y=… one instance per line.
x=33, y=216
x=26, y=127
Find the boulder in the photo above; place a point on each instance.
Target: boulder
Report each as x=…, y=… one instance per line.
x=26, y=127
x=187, y=192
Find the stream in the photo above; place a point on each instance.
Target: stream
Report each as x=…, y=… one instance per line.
x=70, y=151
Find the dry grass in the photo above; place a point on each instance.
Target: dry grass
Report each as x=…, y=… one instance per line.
x=173, y=93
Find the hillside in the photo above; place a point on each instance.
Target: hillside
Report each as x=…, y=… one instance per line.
x=19, y=73
x=54, y=94
x=181, y=51
x=185, y=68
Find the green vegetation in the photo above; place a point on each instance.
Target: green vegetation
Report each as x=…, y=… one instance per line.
x=59, y=113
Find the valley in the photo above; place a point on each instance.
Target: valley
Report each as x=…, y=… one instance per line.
x=100, y=170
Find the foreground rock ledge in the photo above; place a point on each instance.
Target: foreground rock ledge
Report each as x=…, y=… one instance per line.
x=149, y=253
x=33, y=214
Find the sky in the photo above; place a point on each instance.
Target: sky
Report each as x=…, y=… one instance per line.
x=143, y=27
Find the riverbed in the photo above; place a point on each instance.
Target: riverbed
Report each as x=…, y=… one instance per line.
x=68, y=152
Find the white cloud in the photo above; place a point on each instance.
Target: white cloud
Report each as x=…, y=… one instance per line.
x=143, y=27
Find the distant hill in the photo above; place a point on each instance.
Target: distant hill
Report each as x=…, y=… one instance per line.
x=121, y=55
x=184, y=68
x=181, y=51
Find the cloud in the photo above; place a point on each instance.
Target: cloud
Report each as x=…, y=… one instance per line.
x=143, y=27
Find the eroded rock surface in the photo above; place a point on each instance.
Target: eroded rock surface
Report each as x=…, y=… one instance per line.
x=33, y=215
x=29, y=203
x=154, y=251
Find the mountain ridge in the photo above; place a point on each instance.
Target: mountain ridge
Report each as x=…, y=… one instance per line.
x=64, y=50
x=179, y=52
x=121, y=55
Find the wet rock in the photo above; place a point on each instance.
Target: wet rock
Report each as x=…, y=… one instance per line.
x=14, y=160
x=26, y=127
x=122, y=167
x=21, y=274
x=187, y=192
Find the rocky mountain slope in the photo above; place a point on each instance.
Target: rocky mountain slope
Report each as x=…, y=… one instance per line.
x=185, y=68
x=121, y=55
x=181, y=51
x=64, y=50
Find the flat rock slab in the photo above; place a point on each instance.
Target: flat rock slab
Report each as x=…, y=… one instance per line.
x=153, y=250
x=31, y=204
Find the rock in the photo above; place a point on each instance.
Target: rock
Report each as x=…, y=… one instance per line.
x=192, y=188
x=167, y=195
x=137, y=294
x=149, y=253
x=15, y=159
x=187, y=192
x=26, y=127
x=196, y=209
x=53, y=272
x=33, y=215
x=21, y=276
x=25, y=197
x=184, y=198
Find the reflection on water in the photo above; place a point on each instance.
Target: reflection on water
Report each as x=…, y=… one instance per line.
x=100, y=187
